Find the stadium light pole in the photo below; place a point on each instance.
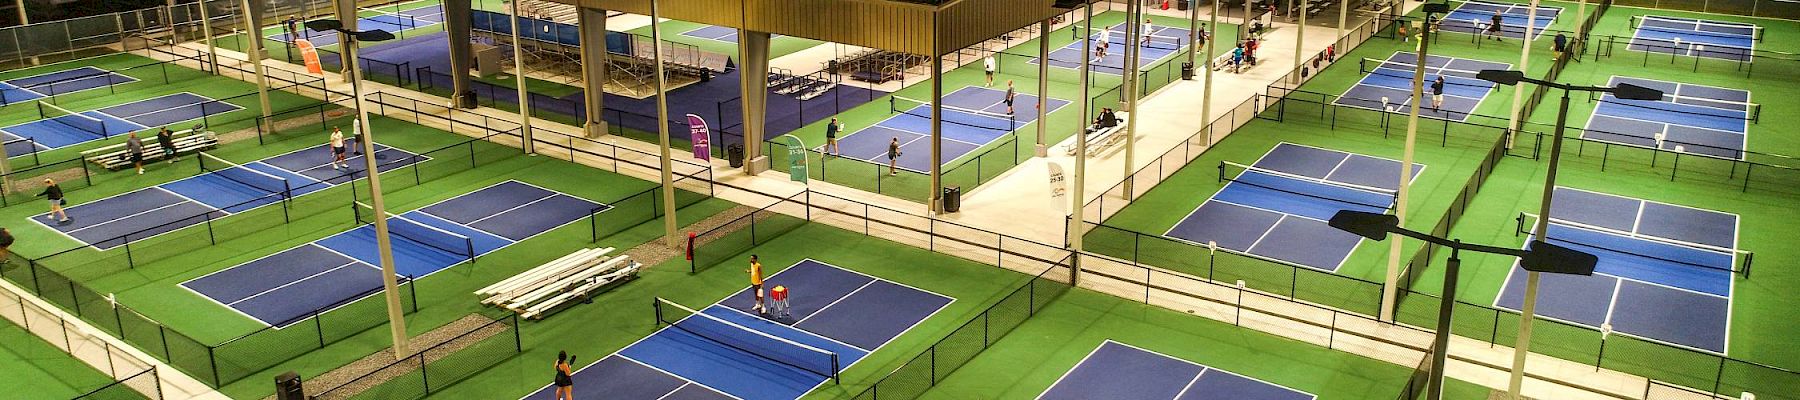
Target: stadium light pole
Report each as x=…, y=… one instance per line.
x=1390, y=288
x=390, y=281
x=1627, y=91
x=1541, y=256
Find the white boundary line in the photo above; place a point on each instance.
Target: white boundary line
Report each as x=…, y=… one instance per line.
x=1078, y=364
x=314, y=243
x=866, y=352
x=1616, y=332
x=307, y=278
x=1612, y=80
x=1203, y=369
x=815, y=313
x=122, y=218
x=184, y=285
x=227, y=213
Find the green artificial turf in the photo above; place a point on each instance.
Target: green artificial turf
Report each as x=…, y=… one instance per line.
x=151, y=288
x=38, y=370
x=154, y=79
x=1033, y=356
x=624, y=315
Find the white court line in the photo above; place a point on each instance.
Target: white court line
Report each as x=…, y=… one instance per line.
x=815, y=313
x=797, y=329
x=496, y=214
x=297, y=281
x=1616, y=332
x=1265, y=234
x=1077, y=366
x=123, y=218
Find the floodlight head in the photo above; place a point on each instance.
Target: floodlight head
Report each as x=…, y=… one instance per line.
x=1437, y=8
x=1634, y=92
x=1366, y=224
x=324, y=25
x=373, y=35
x=1501, y=76
x=1547, y=257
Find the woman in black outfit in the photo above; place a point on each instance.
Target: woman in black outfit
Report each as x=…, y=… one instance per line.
x=565, y=384
x=55, y=194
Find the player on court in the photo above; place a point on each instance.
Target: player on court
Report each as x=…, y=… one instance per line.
x=337, y=149
x=756, y=284
x=1437, y=93
x=1494, y=26
x=565, y=382
x=1010, y=93
x=1100, y=47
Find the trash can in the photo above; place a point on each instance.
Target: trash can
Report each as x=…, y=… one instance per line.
x=468, y=99
x=1187, y=71
x=288, y=387
x=734, y=154
x=952, y=199
x=1182, y=5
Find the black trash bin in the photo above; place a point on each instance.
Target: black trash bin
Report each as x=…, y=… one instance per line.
x=952, y=199
x=288, y=387
x=1187, y=71
x=1182, y=5
x=734, y=154
x=468, y=99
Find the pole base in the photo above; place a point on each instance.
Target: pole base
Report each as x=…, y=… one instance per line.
x=756, y=165
x=1043, y=150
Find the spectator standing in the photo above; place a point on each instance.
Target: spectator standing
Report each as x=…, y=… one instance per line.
x=136, y=147
x=988, y=66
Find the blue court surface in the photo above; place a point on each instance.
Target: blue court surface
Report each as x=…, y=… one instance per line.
x=1388, y=85
x=964, y=130
x=1473, y=17
x=1690, y=118
x=60, y=82
x=1165, y=40
x=719, y=33
x=68, y=130
x=725, y=351
x=1665, y=271
x=290, y=286
x=137, y=215
x=1734, y=41
x=1278, y=211
x=386, y=20
x=1125, y=372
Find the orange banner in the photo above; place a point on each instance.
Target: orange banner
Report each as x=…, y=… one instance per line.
x=311, y=55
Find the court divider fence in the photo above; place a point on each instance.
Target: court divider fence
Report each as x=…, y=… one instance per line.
x=979, y=333
x=236, y=358
x=436, y=367
x=78, y=87
x=134, y=378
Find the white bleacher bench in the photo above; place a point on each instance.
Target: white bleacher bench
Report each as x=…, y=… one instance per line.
x=1098, y=141
x=574, y=277
x=186, y=141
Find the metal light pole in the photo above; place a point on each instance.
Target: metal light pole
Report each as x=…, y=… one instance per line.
x=383, y=243
x=1391, y=284
x=670, y=236
x=1078, y=191
x=1627, y=91
x=1541, y=256
x=255, y=54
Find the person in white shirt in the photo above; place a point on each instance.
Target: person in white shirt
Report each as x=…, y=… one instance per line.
x=1144, y=34
x=987, y=64
x=337, y=149
x=1101, y=43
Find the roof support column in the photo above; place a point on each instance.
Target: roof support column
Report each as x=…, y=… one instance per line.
x=753, y=78
x=593, y=68
x=456, y=27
